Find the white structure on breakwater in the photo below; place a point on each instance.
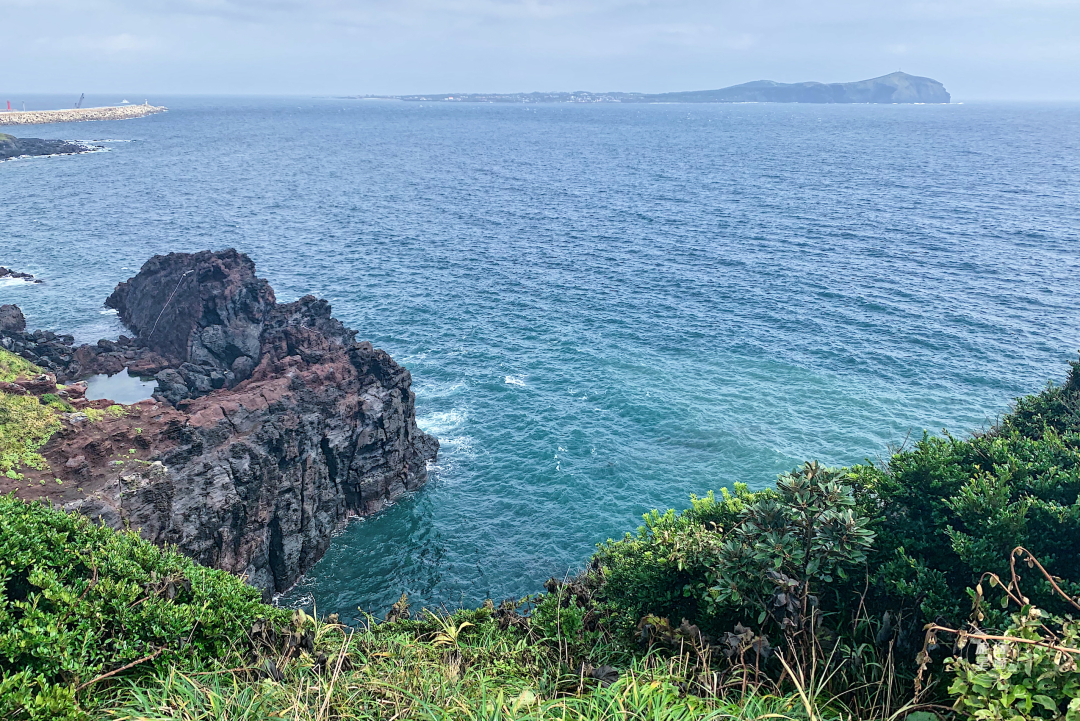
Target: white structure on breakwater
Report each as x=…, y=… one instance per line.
x=37, y=117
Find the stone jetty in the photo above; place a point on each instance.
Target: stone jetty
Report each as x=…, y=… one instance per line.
x=78, y=115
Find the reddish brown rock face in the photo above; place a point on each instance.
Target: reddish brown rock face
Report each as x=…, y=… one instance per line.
x=248, y=469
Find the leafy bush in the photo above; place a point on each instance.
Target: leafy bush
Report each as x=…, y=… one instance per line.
x=664, y=569
x=78, y=601
x=785, y=549
x=950, y=508
x=55, y=401
x=1021, y=676
x=751, y=557
x=1029, y=670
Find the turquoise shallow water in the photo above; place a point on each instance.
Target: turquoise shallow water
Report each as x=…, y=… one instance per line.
x=604, y=308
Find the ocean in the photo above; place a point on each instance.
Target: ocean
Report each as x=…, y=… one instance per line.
x=605, y=308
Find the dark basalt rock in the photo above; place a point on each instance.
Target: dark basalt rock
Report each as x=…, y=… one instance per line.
x=203, y=311
x=271, y=425
x=9, y=273
x=11, y=318
x=12, y=147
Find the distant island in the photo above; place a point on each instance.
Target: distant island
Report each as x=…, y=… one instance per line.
x=895, y=87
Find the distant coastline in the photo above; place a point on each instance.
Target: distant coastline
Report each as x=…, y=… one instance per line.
x=895, y=87
x=78, y=115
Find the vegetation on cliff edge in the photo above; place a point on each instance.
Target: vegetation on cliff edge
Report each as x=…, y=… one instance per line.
x=943, y=581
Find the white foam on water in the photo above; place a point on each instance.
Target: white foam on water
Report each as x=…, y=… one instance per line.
x=441, y=424
x=517, y=380
x=110, y=311
x=17, y=281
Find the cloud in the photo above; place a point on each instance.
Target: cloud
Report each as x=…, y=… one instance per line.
x=404, y=46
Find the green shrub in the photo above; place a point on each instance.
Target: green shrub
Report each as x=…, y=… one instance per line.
x=664, y=569
x=1028, y=669
x=950, y=508
x=1021, y=677
x=79, y=600
x=751, y=557
x=786, y=549
x=55, y=401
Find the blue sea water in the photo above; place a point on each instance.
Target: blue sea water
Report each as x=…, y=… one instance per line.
x=605, y=308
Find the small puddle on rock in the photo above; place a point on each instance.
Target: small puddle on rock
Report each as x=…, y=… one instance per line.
x=120, y=387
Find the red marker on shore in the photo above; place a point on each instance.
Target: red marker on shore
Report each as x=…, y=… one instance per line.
x=9, y=106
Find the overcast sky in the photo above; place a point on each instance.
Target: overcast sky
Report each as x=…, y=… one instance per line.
x=980, y=49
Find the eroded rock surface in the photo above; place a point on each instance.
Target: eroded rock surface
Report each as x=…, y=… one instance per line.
x=11, y=318
x=272, y=425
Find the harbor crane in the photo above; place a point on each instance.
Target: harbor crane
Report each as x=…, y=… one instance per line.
x=81, y=98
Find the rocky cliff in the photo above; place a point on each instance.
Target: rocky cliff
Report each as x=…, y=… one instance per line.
x=272, y=425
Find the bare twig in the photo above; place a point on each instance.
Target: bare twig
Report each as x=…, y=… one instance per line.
x=104, y=676
x=1031, y=559
x=1011, y=639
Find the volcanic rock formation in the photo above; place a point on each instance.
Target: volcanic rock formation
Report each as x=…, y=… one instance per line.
x=11, y=318
x=12, y=147
x=272, y=425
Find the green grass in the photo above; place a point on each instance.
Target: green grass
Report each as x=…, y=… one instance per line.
x=25, y=424
x=401, y=671
x=13, y=366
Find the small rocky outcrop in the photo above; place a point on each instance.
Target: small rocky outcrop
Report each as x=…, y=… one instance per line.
x=12, y=147
x=11, y=318
x=9, y=273
x=272, y=425
x=205, y=312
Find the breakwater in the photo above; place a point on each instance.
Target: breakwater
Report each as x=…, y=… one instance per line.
x=78, y=115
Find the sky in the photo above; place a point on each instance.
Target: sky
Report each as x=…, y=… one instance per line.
x=980, y=49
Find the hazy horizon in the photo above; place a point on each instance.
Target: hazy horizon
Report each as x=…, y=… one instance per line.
x=994, y=50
